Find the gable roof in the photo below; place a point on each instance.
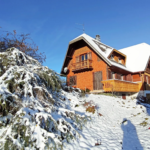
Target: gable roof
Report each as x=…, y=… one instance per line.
x=104, y=49
x=137, y=57
x=100, y=48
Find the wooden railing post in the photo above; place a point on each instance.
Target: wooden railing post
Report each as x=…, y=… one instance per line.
x=88, y=63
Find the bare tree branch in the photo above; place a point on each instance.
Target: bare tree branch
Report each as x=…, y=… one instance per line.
x=23, y=42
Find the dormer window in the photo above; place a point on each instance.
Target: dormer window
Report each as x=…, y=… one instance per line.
x=120, y=60
x=112, y=57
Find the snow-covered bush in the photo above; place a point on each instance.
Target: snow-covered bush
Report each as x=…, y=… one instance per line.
x=33, y=114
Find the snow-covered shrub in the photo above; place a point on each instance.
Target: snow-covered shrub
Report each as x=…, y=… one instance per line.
x=34, y=113
x=70, y=89
x=52, y=82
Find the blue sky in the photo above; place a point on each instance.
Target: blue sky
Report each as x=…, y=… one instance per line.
x=52, y=23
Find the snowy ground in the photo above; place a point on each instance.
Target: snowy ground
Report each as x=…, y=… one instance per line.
x=108, y=129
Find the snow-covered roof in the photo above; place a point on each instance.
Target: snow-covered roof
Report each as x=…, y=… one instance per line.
x=100, y=48
x=137, y=57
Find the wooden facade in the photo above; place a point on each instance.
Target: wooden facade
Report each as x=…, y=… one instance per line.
x=87, y=69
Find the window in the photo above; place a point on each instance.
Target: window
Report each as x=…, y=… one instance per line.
x=84, y=57
x=112, y=57
x=120, y=60
x=73, y=80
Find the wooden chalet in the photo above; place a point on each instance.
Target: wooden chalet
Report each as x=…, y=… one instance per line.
x=91, y=64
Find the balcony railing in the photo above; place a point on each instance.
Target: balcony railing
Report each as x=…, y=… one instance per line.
x=114, y=85
x=83, y=65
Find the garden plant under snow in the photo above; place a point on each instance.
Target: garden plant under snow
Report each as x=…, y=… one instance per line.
x=34, y=113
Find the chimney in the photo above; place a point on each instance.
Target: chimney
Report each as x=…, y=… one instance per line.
x=97, y=37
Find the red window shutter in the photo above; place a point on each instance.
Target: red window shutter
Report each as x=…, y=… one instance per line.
x=130, y=77
x=109, y=74
x=119, y=76
x=115, y=75
x=127, y=78
x=124, y=77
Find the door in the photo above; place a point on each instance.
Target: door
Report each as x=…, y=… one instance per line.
x=97, y=78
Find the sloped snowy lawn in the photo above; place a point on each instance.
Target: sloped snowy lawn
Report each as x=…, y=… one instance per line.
x=123, y=124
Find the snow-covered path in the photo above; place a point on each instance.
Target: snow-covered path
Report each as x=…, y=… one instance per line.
x=109, y=129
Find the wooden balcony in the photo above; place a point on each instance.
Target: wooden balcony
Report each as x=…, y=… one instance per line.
x=114, y=85
x=83, y=65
